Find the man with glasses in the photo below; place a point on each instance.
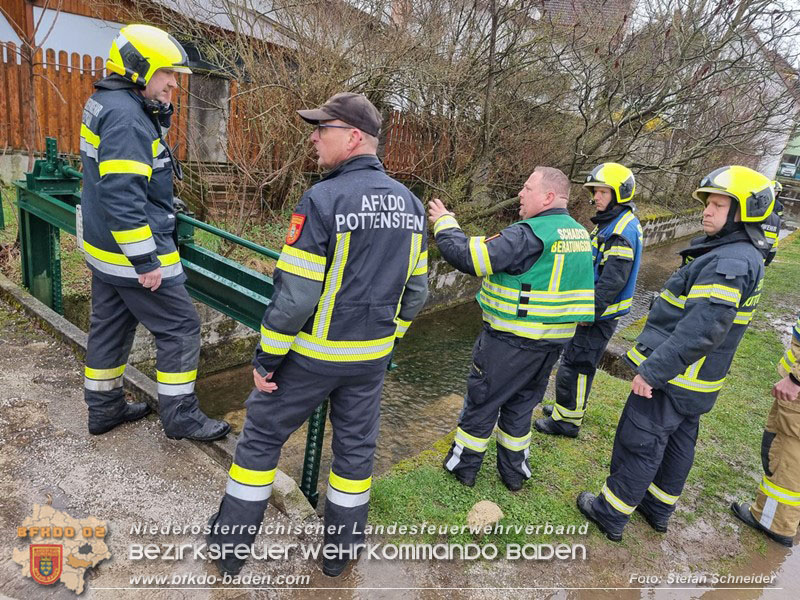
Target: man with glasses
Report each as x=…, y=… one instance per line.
x=352, y=275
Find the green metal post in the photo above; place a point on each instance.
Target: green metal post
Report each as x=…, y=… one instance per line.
x=316, y=433
x=41, y=258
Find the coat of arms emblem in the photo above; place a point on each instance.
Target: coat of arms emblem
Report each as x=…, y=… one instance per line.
x=46, y=562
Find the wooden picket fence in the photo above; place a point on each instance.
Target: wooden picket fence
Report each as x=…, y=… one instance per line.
x=61, y=85
x=62, y=82
x=414, y=147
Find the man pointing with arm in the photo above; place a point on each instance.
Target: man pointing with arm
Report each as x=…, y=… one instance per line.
x=537, y=285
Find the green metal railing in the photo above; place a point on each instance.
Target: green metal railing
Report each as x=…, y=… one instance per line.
x=46, y=201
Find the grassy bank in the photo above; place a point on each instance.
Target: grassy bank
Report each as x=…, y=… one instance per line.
x=727, y=464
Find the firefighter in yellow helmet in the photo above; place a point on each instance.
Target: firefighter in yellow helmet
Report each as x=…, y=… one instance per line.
x=772, y=226
x=126, y=226
x=617, y=253
x=776, y=511
x=684, y=352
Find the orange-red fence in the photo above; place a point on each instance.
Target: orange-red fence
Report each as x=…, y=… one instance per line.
x=414, y=147
x=54, y=88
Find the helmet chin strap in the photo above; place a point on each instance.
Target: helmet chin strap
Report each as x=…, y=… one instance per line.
x=611, y=205
x=731, y=224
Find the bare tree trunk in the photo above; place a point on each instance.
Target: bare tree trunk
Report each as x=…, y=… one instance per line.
x=482, y=175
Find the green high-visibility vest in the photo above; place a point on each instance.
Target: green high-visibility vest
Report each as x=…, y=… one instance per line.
x=549, y=299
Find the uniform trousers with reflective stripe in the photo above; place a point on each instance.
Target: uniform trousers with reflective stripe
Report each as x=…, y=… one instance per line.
x=652, y=456
x=272, y=418
x=578, y=365
x=168, y=313
x=777, y=506
x=505, y=384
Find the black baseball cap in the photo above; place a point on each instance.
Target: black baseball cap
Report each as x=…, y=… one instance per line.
x=353, y=109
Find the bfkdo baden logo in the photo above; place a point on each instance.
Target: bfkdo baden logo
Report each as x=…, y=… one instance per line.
x=46, y=561
x=62, y=548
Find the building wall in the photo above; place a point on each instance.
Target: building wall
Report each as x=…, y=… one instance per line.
x=75, y=33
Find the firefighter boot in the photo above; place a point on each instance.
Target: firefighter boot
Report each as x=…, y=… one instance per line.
x=467, y=481
x=227, y=565
x=659, y=526
x=584, y=502
x=741, y=511
x=102, y=420
x=211, y=430
x=550, y=426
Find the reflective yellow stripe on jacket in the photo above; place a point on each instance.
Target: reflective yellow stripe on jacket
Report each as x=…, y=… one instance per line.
x=531, y=330
x=90, y=142
x=743, y=317
x=117, y=264
x=274, y=342
x=788, y=360
x=125, y=167
x=417, y=265
x=333, y=283
x=342, y=351
x=716, y=290
x=422, y=265
x=135, y=242
x=302, y=263
x=688, y=379
x=444, y=222
x=615, y=308
x=479, y=253
x=619, y=251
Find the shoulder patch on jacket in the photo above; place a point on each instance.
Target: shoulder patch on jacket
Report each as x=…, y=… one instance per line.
x=731, y=267
x=295, y=228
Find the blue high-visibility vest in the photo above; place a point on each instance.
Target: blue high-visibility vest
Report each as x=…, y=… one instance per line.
x=627, y=226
